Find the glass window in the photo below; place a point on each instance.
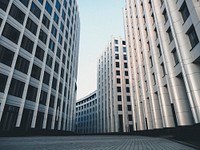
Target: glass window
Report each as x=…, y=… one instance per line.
x=31, y=93
x=17, y=14
x=128, y=98
x=27, y=44
x=126, y=73
x=4, y=4
x=54, y=31
x=127, y=81
x=43, y=36
x=117, y=72
x=45, y=21
x=69, y=12
x=118, y=89
x=56, y=67
x=52, y=99
x=16, y=88
x=58, y=53
x=54, y=83
x=22, y=64
x=170, y=34
x=3, y=80
x=116, y=48
x=60, y=39
x=165, y=15
x=124, y=49
x=63, y=59
x=35, y=73
x=116, y=41
x=192, y=36
x=55, y=18
x=6, y=56
x=46, y=78
x=119, y=98
x=35, y=10
x=49, y=60
x=184, y=11
x=127, y=89
x=118, y=80
x=125, y=65
x=123, y=42
x=129, y=107
x=175, y=56
x=48, y=7
x=43, y=97
x=25, y=2
x=63, y=15
x=130, y=118
x=11, y=33
x=39, y=53
x=41, y=1
x=120, y=107
x=31, y=26
x=51, y=45
x=117, y=64
x=116, y=56
x=58, y=5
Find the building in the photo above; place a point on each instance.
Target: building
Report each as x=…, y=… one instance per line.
x=86, y=114
x=113, y=89
x=163, y=48
x=39, y=46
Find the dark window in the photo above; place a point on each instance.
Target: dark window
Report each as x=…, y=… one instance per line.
x=25, y=2
x=125, y=65
x=126, y=73
x=62, y=72
x=63, y=15
x=125, y=57
x=130, y=118
x=27, y=44
x=116, y=48
x=119, y=98
x=56, y=67
x=117, y=64
x=35, y=10
x=117, y=72
x=54, y=83
x=175, y=56
x=17, y=14
x=63, y=59
x=31, y=26
x=184, y=11
x=128, y=98
x=116, y=56
x=116, y=41
x=43, y=97
x=51, y=103
x=31, y=93
x=49, y=60
x=6, y=56
x=124, y=49
x=3, y=80
x=127, y=89
x=22, y=64
x=60, y=87
x=120, y=107
x=54, y=31
x=61, y=26
x=165, y=15
x=192, y=36
x=43, y=36
x=0, y=22
x=46, y=78
x=55, y=18
x=58, y=5
x=48, y=7
x=163, y=69
x=16, y=88
x=41, y=1
x=154, y=79
x=35, y=73
x=11, y=33
x=51, y=45
x=129, y=107
x=170, y=34
x=118, y=89
x=4, y=4
x=118, y=80
x=60, y=39
x=123, y=42
x=45, y=21
x=127, y=81
x=58, y=53
x=39, y=53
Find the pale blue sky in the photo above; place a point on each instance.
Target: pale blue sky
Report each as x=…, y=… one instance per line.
x=100, y=19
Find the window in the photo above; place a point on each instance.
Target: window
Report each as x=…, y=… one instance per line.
x=36, y=72
x=58, y=53
x=17, y=14
x=63, y=15
x=60, y=87
x=45, y=21
x=130, y=118
x=117, y=64
x=123, y=42
x=159, y=50
x=41, y=1
x=43, y=36
x=16, y=88
x=126, y=73
x=51, y=103
x=119, y=98
x=54, y=31
x=117, y=72
x=55, y=18
x=22, y=64
x=118, y=80
x=27, y=44
x=170, y=34
x=127, y=81
x=120, y=107
x=154, y=78
x=127, y=89
x=6, y=56
x=39, y=53
x=54, y=83
x=0, y=22
x=116, y=41
x=128, y=98
x=125, y=57
x=184, y=11
x=151, y=61
x=163, y=69
x=49, y=60
x=175, y=56
x=35, y=10
x=31, y=93
x=118, y=89
x=48, y=7
x=63, y=59
x=60, y=39
x=25, y=2
x=4, y=4
x=11, y=33
x=46, y=78
x=192, y=35
x=129, y=107
x=124, y=49
x=58, y=5
x=125, y=65
x=51, y=45
x=56, y=67
x=116, y=56
x=43, y=97
x=116, y=48
x=165, y=15
x=31, y=26
x=3, y=80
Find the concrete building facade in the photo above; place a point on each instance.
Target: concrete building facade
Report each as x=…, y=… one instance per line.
x=86, y=114
x=113, y=89
x=163, y=48
x=39, y=46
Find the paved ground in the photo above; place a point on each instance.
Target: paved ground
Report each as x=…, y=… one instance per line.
x=89, y=143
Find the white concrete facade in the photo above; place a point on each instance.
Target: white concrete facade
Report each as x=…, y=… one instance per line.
x=86, y=114
x=39, y=46
x=163, y=48
x=113, y=89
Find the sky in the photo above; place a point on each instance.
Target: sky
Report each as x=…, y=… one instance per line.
x=100, y=20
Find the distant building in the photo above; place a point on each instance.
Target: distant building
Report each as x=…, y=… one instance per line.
x=86, y=114
x=113, y=89
x=39, y=46
x=164, y=53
